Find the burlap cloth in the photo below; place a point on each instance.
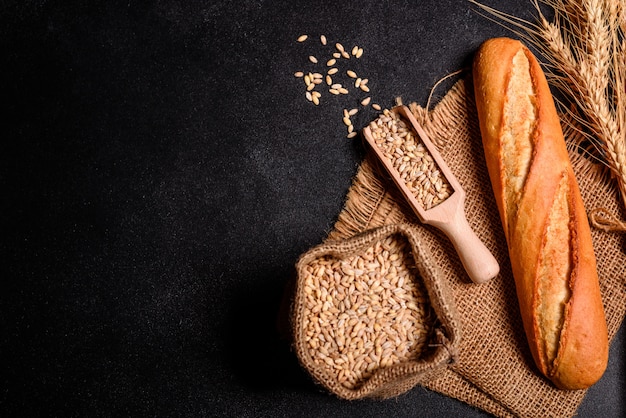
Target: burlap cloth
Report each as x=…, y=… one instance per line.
x=495, y=371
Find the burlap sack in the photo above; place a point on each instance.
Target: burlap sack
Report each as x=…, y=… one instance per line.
x=495, y=371
x=444, y=327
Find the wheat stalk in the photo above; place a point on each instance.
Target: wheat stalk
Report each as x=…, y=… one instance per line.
x=584, y=49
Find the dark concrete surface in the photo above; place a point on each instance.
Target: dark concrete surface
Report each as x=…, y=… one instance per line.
x=161, y=172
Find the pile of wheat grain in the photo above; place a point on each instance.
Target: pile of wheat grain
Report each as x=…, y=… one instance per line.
x=366, y=312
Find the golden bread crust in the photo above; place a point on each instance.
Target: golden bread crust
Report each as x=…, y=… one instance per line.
x=542, y=215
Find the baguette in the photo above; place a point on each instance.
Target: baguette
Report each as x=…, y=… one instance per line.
x=542, y=215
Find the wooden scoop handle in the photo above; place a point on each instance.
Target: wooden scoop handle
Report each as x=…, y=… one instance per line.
x=480, y=265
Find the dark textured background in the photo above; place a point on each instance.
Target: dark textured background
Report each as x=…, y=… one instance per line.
x=161, y=172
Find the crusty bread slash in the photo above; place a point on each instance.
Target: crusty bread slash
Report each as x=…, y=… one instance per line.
x=542, y=215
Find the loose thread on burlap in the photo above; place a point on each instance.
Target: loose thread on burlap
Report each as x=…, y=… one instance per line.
x=601, y=218
x=432, y=90
x=442, y=341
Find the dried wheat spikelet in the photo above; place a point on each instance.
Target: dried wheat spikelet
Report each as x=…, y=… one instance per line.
x=584, y=52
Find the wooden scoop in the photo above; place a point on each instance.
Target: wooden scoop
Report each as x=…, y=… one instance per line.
x=449, y=215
